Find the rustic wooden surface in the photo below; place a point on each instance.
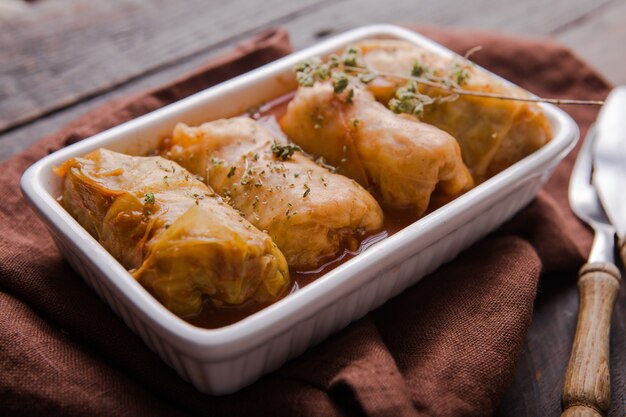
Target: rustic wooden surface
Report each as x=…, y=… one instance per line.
x=60, y=58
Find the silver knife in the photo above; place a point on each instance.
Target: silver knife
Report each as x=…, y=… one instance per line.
x=609, y=162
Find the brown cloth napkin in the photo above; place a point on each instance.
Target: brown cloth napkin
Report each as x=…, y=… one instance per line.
x=446, y=347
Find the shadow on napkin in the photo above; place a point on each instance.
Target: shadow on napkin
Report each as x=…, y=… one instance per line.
x=445, y=347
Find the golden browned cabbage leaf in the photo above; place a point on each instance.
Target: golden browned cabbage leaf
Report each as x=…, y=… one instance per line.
x=493, y=134
x=401, y=157
x=311, y=213
x=171, y=232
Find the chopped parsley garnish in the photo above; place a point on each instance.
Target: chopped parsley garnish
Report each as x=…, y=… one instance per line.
x=352, y=57
x=350, y=96
x=231, y=172
x=284, y=152
x=288, y=212
x=340, y=82
x=367, y=78
x=409, y=101
x=460, y=73
x=418, y=69
x=312, y=70
x=149, y=198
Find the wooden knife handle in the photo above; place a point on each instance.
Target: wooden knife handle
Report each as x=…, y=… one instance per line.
x=587, y=390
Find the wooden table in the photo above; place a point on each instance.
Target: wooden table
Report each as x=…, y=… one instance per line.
x=60, y=58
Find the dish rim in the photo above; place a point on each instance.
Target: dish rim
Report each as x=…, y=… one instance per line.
x=270, y=322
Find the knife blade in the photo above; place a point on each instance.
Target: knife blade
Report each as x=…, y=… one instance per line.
x=609, y=162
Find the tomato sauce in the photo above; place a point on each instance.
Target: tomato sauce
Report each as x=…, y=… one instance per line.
x=212, y=316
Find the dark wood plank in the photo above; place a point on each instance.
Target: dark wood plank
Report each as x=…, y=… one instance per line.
x=59, y=52
x=61, y=82
x=11, y=7
x=15, y=140
x=599, y=38
x=538, y=381
x=139, y=44
x=529, y=17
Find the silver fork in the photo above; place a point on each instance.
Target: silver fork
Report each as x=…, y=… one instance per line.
x=584, y=201
x=586, y=390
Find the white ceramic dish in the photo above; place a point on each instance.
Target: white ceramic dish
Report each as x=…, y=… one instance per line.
x=223, y=360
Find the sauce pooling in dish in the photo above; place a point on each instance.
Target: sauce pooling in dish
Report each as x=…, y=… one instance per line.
x=212, y=317
x=395, y=220
x=311, y=213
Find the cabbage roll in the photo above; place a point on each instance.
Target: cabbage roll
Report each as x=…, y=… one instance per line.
x=311, y=213
x=493, y=134
x=401, y=158
x=171, y=232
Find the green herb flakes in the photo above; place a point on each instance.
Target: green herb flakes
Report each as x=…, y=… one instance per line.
x=340, y=82
x=408, y=100
x=149, y=198
x=284, y=152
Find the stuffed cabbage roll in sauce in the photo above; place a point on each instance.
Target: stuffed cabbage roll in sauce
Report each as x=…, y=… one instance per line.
x=170, y=231
x=311, y=213
x=401, y=158
x=493, y=134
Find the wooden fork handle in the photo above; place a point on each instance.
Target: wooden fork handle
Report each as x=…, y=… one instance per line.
x=587, y=391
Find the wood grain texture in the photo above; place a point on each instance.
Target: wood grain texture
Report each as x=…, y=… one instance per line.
x=71, y=49
x=143, y=43
x=586, y=391
x=12, y=7
x=17, y=139
x=599, y=38
x=538, y=380
x=540, y=17
x=536, y=389
x=62, y=57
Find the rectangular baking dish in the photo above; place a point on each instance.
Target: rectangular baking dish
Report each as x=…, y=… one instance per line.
x=223, y=360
